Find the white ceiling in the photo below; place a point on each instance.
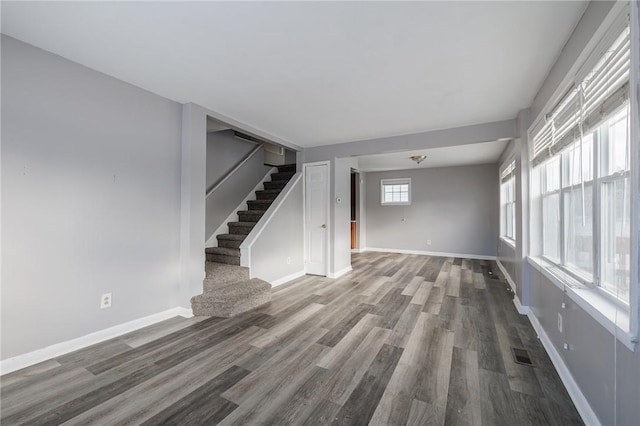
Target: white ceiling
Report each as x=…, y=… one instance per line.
x=315, y=73
x=459, y=155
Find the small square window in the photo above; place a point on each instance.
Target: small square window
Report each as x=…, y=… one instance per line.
x=395, y=192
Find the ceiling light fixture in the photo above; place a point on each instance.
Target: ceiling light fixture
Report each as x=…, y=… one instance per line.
x=418, y=158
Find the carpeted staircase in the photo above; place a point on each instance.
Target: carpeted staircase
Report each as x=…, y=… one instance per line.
x=227, y=289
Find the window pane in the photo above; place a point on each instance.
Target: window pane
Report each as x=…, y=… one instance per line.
x=616, y=247
x=578, y=232
x=513, y=221
x=551, y=226
x=552, y=174
x=571, y=162
x=617, y=150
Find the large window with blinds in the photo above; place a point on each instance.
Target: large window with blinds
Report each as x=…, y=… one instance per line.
x=581, y=154
x=508, y=202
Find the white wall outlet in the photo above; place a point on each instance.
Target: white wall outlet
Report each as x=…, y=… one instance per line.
x=288, y=261
x=559, y=322
x=105, y=301
x=428, y=242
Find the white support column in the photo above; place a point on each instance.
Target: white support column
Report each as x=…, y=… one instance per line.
x=192, y=212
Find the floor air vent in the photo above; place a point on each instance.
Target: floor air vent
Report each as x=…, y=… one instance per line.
x=521, y=356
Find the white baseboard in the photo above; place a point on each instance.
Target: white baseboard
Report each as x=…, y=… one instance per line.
x=25, y=360
x=339, y=273
x=357, y=250
x=579, y=400
x=522, y=310
x=287, y=278
x=432, y=253
x=506, y=275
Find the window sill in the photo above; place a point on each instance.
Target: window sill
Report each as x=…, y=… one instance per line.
x=508, y=241
x=606, y=312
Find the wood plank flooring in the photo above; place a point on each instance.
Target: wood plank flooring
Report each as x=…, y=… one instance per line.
x=401, y=340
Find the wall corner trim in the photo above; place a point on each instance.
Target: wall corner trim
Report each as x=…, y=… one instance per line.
x=580, y=401
x=339, y=273
x=25, y=360
x=287, y=278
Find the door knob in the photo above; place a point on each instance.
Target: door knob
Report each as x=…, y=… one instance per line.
x=324, y=226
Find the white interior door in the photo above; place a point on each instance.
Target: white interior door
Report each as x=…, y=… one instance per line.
x=316, y=217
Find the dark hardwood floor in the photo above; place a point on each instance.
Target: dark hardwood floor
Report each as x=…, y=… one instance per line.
x=403, y=339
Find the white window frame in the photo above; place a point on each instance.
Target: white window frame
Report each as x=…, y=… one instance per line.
x=393, y=182
x=508, y=204
x=621, y=319
x=600, y=141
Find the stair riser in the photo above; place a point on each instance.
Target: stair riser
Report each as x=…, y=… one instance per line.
x=239, y=230
x=274, y=185
x=249, y=217
x=225, y=311
x=258, y=205
x=282, y=176
x=219, y=275
x=265, y=196
x=232, y=244
x=287, y=169
x=220, y=258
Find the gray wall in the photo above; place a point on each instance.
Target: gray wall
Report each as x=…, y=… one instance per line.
x=283, y=238
x=601, y=366
x=90, y=200
x=224, y=152
x=454, y=207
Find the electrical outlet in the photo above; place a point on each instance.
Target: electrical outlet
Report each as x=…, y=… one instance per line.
x=105, y=301
x=560, y=323
x=428, y=242
x=288, y=261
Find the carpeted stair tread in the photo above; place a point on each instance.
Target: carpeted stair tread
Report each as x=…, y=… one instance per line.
x=252, y=211
x=234, y=237
x=223, y=251
x=230, y=241
x=245, y=224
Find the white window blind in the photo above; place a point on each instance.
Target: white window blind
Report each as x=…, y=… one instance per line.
x=508, y=171
x=594, y=97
